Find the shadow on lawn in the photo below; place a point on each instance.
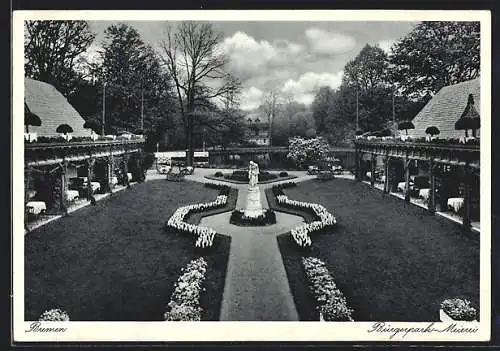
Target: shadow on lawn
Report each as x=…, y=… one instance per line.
x=114, y=262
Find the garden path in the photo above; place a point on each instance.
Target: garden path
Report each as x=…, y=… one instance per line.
x=256, y=287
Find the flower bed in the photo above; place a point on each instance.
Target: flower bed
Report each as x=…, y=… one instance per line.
x=459, y=309
x=184, y=304
x=223, y=189
x=54, y=315
x=301, y=234
x=330, y=302
x=242, y=176
x=204, y=236
x=284, y=185
x=238, y=218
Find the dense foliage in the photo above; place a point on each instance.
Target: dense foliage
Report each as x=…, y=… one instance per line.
x=306, y=152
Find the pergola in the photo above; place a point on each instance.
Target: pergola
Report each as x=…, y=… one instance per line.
x=37, y=156
x=464, y=156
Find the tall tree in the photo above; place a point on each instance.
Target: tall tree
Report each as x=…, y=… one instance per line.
x=198, y=68
x=270, y=108
x=53, y=49
x=435, y=54
x=369, y=69
x=365, y=95
x=323, y=101
x=137, y=92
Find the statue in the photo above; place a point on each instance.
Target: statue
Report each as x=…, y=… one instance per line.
x=254, y=207
x=253, y=174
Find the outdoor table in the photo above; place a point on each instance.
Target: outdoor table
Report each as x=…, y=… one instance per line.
x=129, y=176
x=72, y=195
x=95, y=185
x=424, y=193
x=455, y=203
x=401, y=186
x=382, y=178
x=369, y=175
x=114, y=180
x=36, y=207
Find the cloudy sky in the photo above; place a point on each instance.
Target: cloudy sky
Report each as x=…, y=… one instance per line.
x=294, y=58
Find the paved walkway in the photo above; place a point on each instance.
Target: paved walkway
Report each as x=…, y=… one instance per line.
x=256, y=287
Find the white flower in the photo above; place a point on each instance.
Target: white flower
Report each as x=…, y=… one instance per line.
x=301, y=233
x=185, y=301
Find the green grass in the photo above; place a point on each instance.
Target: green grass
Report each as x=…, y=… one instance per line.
x=114, y=262
x=392, y=260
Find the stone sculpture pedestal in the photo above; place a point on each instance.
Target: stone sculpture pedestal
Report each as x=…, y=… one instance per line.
x=254, y=207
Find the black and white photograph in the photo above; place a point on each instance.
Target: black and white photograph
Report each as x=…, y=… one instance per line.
x=324, y=171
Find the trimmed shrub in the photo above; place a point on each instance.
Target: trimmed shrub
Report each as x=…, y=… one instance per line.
x=283, y=174
x=325, y=176
x=238, y=218
x=459, y=309
x=242, y=176
x=223, y=189
x=218, y=174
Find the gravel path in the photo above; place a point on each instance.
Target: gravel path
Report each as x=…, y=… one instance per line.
x=256, y=287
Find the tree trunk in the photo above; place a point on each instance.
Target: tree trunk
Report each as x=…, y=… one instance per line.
x=189, y=140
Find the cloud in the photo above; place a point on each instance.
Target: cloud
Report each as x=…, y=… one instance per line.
x=246, y=54
x=329, y=43
x=251, y=98
x=249, y=57
x=303, y=89
x=386, y=45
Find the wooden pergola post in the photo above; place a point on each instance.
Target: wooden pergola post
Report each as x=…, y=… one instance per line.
x=124, y=165
x=372, y=170
x=407, y=178
x=356, y=164
x=466, y=220
x=90, y=165
x=386, y=174
x=110, y=173
x=64, y=187
x=431, y=202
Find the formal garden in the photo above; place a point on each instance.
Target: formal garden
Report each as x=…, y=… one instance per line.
x=327, y=247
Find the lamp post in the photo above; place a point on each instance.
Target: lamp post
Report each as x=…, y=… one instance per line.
x=393, y=112
x=203, y=139
x=357, y=109
x=142, y=109
x=103, y=107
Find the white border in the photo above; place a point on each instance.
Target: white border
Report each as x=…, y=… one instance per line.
x=247, y=331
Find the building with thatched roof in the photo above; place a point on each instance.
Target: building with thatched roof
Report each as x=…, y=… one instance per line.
x=53, y=109
x=446, y=108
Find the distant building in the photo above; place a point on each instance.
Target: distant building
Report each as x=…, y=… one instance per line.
x=52, y=108
x=445, y=108
x=257, y=130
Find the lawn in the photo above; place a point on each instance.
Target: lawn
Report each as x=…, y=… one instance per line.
x=392, y=261
x=114, y=262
